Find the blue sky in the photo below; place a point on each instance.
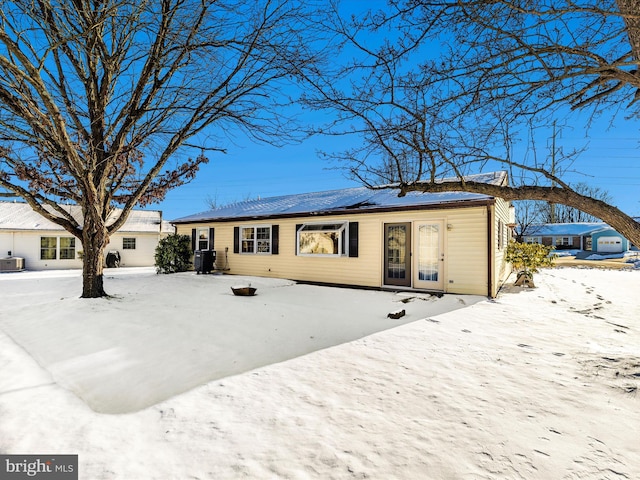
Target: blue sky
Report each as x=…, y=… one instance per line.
x=250, y=170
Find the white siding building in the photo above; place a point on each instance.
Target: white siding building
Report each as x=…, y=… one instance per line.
x=45, y=245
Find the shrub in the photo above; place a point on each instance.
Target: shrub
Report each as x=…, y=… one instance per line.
x=173, y=254
x=526, y=258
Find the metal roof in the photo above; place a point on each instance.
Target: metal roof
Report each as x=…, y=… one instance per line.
x=20, y=216
x=566, y=229
x=353, y=200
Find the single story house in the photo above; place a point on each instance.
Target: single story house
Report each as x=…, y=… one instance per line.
x=595, y=237
x=45, y=245
x=444, y=242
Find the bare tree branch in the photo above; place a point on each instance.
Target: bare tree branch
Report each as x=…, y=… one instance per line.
x=102, y=103
x=453, y=83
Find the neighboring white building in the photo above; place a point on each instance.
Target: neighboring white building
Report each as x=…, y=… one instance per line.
x=45, y=245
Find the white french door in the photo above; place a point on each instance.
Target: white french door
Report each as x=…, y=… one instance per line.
x=429, y=256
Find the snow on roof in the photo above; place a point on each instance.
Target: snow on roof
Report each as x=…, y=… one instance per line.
x=20, y=216
x=567, y=229
x=354, y=199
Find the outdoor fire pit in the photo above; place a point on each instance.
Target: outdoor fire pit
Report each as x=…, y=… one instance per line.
x=244, y=290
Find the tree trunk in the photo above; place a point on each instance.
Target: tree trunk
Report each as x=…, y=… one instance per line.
x=94, y=241
x=631, y=14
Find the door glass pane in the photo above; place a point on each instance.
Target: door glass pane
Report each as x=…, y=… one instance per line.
x=428, y=253
x=396, y=251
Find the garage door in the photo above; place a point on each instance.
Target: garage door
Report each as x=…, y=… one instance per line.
x=610, y=245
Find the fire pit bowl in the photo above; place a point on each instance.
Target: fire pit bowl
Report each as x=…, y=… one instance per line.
x=244, y=290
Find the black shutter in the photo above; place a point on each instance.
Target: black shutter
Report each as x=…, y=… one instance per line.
x=212, y=237
x=353, y=239
x=275, y=240
x=236, y=239
x=193, y=239
x=295, y=238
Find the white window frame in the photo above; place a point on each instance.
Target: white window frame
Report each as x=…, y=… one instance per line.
x=259, y=244
x=127, y=243
x=343, y=238
x=70, y=249
x=202, y=238
x=53, y=249
x=59, y=249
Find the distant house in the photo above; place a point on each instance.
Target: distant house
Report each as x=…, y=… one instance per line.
x=444, y=242
x=45, y=245
x=595, y=237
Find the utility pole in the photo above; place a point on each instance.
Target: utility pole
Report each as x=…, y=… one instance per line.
x=552, y=206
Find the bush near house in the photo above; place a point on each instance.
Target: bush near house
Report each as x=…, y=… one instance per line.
x=173, y=254
x=526, y=258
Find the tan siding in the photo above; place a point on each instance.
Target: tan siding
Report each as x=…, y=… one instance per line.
x=465, y=266
x=467, y=252
x=501, y=269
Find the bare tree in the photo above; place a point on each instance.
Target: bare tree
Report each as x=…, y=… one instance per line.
x=568, y=214
x=528, y=214
x=440, y=88
x=113, y=103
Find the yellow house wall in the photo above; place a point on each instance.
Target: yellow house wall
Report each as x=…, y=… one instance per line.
x=465, y=266
x=501, y=269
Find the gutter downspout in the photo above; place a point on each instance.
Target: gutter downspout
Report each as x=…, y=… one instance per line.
x=489, y=252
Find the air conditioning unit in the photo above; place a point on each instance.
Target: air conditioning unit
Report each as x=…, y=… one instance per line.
x=11, y=264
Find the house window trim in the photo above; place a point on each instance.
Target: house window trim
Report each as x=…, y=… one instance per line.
x=53, y=249
x=58, y=249
x=68, y=249
x=255, y=239
x=129, y=239
x=343, y=242
x=202, y=237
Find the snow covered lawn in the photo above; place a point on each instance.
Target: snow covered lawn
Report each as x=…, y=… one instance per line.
x=161, y=335
x=311, y=382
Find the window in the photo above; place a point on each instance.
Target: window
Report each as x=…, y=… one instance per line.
x=203, y=239
x=500, y=234
x=48, y=248
x=128, y=243
x=322, y=239
x=563, y=242
x=256, y=239
x=67, y=248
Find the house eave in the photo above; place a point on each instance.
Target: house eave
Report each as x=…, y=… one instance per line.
x=340, y=212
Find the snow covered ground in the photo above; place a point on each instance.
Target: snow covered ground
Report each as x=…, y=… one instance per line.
x=174, y=377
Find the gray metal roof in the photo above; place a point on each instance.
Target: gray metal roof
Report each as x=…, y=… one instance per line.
x=566, y=229
x=358, y=199
x=20, y=216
